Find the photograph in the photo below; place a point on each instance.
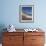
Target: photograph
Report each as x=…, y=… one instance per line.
x=26, y=13
x=22, y=23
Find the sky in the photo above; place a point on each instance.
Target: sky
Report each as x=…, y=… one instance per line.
x=27, y=10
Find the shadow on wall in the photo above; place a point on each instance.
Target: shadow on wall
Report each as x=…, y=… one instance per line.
x=2, y=26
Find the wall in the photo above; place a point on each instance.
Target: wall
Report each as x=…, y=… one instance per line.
x=10, y=13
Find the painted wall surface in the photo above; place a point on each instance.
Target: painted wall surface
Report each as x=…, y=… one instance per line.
x=10, y=13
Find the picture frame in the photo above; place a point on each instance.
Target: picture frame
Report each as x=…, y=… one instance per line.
x=26, y=13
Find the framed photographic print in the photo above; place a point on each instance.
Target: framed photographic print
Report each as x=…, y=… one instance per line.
x=26, y=13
